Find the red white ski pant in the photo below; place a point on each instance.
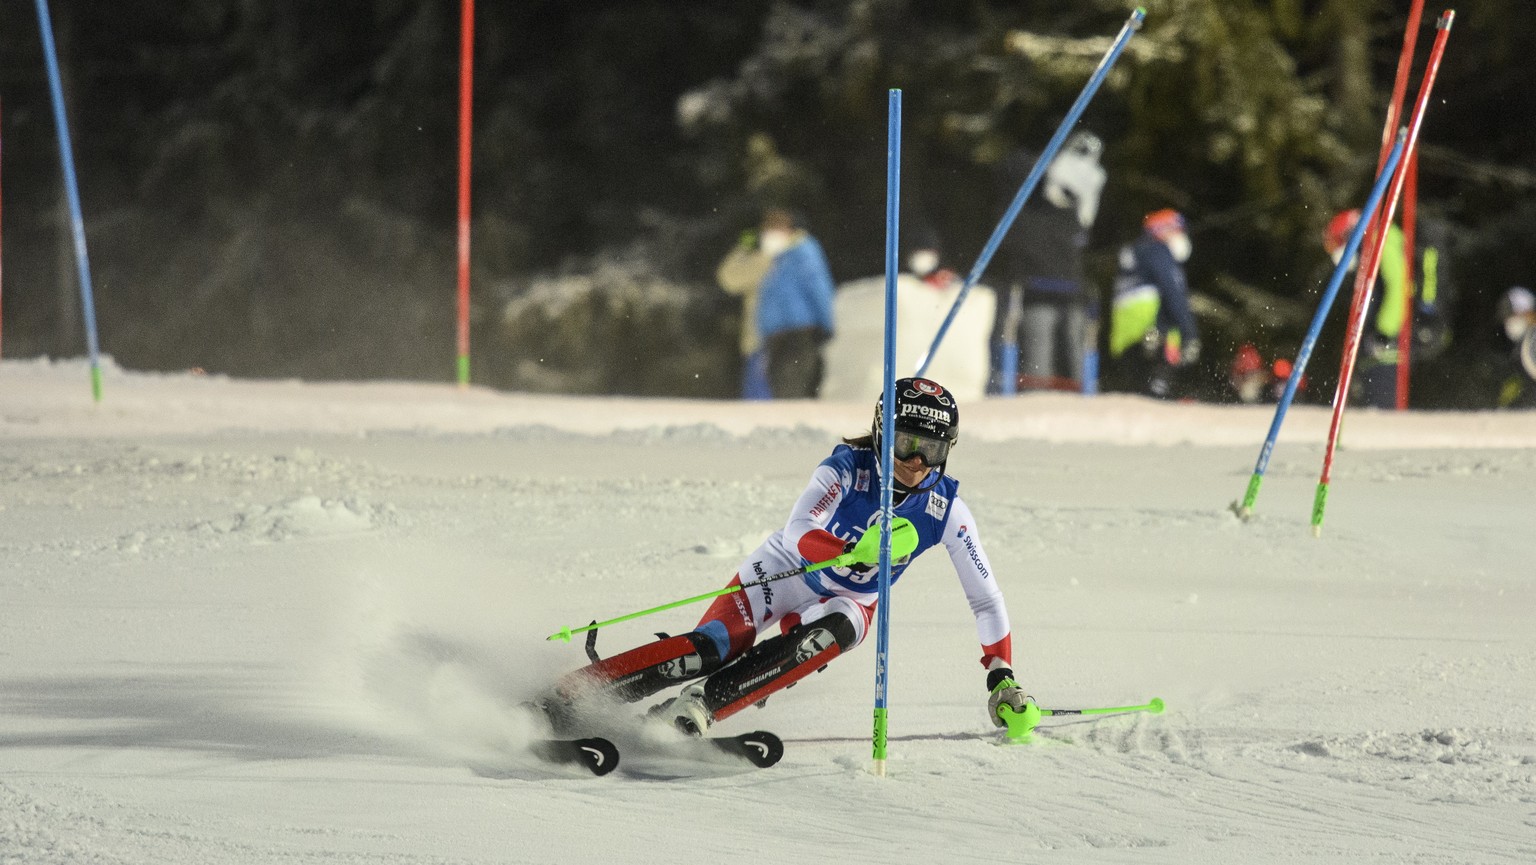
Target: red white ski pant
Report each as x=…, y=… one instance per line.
x=802, y=598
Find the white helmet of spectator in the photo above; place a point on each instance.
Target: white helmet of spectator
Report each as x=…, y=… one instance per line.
x=1517, y=310
x=1075, y=178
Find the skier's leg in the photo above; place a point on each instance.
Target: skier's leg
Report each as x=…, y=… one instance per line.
x=1072, y=334
x=644, y=670
x=1378, y=384
x=1001, y=340
x=808, y=643
x=726, y=630
x=754, y=376
x=729, y=621
x=1037, y=344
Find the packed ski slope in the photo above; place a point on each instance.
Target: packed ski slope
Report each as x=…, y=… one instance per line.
x=258, y=622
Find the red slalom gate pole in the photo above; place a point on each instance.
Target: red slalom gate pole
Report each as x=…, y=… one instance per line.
x=2, y=272
x=1377, y=229
x=466, y=104
x=1400, y=83
x=1410, y=279
x=1410, y=165
x=1371, y=265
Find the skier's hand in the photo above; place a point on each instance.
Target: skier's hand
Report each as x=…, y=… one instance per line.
x=861, y=568
x=1177, y=354
x=1005, y=692
x=903, y=545
x=1189, y=352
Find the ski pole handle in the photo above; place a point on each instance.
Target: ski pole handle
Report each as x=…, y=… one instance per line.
x=866, y=551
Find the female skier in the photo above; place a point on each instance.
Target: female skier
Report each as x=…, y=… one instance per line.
x=821, y=614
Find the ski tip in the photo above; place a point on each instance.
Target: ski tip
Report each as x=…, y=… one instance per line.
x=1155, y=706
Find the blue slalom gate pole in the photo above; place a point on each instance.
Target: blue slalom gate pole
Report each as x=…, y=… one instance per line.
x=1351, y=248
x=72, y=190
x=1033, y=180
x=1090, y=383
x=887, y=427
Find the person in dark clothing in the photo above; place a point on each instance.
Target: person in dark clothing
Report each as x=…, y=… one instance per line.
x=1517, y=319
x=1152, y=329
x=1428, y=288
x=1044, y=308
x=924, y=256
x=1375, y=380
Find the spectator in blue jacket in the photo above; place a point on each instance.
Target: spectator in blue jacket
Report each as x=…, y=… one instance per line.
x=794, y=306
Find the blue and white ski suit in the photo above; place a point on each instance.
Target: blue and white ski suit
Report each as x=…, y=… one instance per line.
x=839, y=504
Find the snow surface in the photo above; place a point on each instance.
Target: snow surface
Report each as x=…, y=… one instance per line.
x=257, y=622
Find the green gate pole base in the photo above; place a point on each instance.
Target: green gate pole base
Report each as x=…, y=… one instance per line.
x=1245, y=509
x=1319, y=504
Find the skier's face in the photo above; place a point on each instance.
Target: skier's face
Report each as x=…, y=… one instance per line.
x=910, y=472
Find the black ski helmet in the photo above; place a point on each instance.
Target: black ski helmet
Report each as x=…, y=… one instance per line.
x=923, y=408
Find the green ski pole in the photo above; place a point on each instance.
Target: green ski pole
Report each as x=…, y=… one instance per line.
x=865, y=552
x=1021, y=724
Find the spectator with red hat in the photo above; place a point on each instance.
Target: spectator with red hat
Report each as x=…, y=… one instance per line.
x=1254, y=381
x=1247, y=375
x=1151, y=307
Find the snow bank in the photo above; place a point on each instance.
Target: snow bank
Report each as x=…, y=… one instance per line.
x=52, y=399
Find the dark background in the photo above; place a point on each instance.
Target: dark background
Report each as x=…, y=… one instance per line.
x=269, y=187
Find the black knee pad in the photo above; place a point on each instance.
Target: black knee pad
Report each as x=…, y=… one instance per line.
x=836, y=625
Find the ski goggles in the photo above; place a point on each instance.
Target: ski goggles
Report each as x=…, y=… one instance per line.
x=907, y=445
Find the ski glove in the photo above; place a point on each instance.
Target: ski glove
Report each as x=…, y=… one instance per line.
x=1189, y=353
x=859, y=567
x=1184, y=354
x=1005, y=691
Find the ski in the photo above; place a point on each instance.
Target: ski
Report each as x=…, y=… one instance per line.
x=601, y=755
x=597, y=754
x=760, y=747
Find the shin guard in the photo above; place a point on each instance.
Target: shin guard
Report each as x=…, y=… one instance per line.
x=777, y=663
x=644, y=670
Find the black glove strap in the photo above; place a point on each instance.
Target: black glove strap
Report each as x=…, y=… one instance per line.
x=996, y=678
